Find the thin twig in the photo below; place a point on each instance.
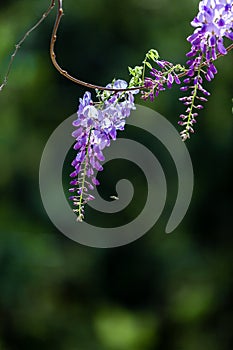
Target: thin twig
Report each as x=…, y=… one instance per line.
x=17, y=46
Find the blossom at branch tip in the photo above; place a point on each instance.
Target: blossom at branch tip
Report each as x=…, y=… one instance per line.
x=213, y=22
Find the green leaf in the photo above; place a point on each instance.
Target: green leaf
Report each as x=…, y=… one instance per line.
x=154, y=55
x=131, y=71
x=148, y=65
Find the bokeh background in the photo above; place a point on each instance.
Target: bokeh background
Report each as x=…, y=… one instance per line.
x=160, y=292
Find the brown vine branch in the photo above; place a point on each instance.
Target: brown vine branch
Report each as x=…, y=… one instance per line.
x=17, y=46
x=63, y=72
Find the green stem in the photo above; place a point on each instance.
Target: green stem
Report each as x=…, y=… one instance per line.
x=193, y=97
x=81, y=199
x=143, y=72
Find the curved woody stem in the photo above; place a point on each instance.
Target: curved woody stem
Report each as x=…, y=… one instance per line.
x=63, y=72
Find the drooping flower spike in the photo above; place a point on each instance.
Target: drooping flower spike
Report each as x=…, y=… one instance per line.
x=96, y=125
x=163, y=78
x=213, y=23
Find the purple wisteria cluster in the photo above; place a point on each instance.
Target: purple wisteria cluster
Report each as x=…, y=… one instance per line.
x=162, y=78
x=96, y=125
x=213, y=22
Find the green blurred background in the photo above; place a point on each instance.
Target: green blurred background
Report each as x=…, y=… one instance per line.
x=160, y=292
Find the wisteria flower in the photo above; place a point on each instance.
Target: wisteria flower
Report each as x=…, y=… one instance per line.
x=161, y=79
x=96, y=125
x=213, y=22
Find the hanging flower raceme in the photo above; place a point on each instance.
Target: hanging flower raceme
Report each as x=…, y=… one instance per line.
x=96, y=125
x=163, y=78
x=213, y=22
